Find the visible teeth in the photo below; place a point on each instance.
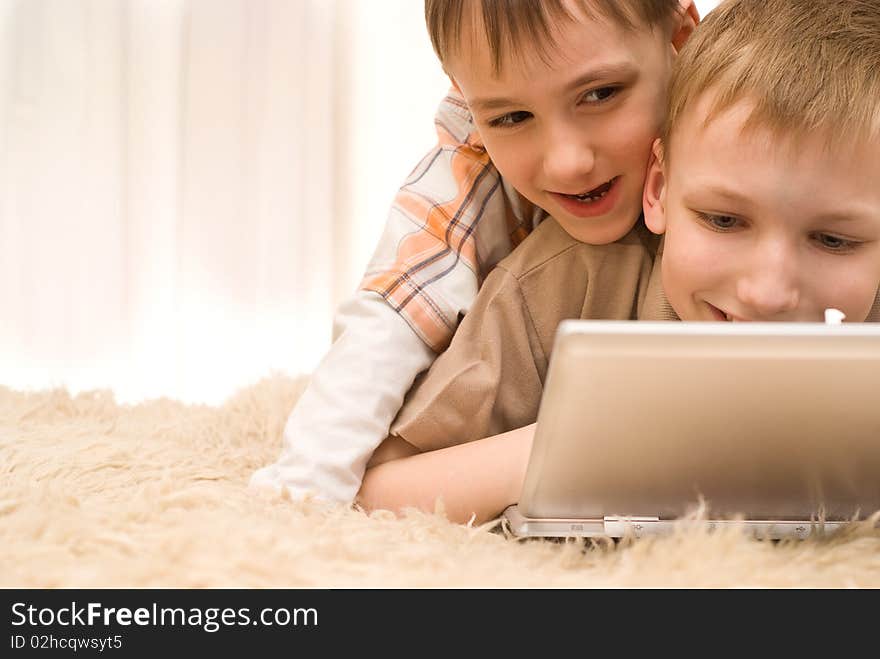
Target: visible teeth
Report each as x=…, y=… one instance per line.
x=593, y=196
x=589, y=197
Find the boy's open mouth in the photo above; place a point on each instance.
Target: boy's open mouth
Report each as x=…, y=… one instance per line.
x=595, y=194
x=597, y=202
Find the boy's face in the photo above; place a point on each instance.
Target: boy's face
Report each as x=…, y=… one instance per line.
x=757, y=228
x=573, y=135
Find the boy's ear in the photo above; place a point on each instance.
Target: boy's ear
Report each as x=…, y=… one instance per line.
x=654, y=194
x=686, y=23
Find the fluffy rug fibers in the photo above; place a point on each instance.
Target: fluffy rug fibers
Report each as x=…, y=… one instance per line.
x=96, y=494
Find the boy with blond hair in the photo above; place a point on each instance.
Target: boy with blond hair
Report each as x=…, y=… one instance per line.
x=764, y=186
x=554, y=108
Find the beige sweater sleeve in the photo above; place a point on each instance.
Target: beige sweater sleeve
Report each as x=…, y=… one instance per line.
x=488, y=380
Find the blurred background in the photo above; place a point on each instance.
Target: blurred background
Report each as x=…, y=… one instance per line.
x=189, y=188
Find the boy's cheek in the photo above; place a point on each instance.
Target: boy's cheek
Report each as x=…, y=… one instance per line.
x=677, y=275
x=691, y=264
x=863, y=296
x=514, y=161
x=674, y=287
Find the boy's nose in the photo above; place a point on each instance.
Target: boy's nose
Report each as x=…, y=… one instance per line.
x=770, y=287
x=568, y=163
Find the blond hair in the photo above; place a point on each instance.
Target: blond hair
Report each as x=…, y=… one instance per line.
x=806, y=66
x=527, y=25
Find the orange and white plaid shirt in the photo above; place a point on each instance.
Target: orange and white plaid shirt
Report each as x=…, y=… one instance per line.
x=450, y=223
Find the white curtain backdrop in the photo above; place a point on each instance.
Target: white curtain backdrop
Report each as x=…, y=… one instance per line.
x=188, y=188
x=705, y=6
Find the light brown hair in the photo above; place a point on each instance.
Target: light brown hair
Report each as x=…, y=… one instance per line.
x=807, y=66
x=527, y=25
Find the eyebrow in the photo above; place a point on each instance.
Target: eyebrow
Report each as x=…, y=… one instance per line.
x=845, y=215
x=717, y=191
x=621, y=70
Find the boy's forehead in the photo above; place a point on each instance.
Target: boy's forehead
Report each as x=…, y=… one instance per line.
x=704, y=124
x=739, y=122
x=699, y=119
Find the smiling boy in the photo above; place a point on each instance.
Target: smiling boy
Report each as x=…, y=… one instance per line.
x=568, y=123
x=768, y=188
x=765, y=187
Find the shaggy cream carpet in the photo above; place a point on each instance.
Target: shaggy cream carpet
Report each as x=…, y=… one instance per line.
x=95, y=494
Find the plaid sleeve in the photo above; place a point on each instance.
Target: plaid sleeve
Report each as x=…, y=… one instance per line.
x=450, y=223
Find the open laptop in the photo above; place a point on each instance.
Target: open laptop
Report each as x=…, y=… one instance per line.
x=775, y=426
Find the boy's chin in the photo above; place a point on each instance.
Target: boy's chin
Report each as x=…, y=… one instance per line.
x=598, y=230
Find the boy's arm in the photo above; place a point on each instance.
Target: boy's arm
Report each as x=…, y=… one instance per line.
x=476, y=480
x=488, y=381
x=472, y=415
x=349, y=403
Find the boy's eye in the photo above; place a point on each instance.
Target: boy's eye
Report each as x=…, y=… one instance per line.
x=718, y=222
x=510, y=119
x=599, y=95
x=835, y=243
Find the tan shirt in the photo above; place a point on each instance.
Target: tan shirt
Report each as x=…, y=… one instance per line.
x=490, y=378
